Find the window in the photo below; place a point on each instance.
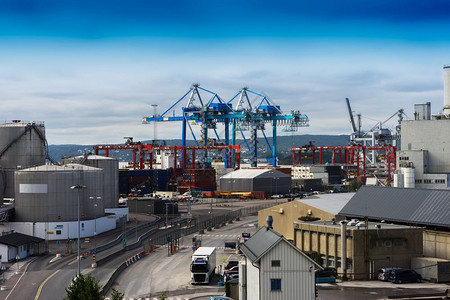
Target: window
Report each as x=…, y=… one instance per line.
x=275, y=284
x=275, y=263
x=331, y=261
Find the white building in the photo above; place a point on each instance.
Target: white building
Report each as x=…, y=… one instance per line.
x=275, y=269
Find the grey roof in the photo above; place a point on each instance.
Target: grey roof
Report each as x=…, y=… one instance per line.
x=260, y=243
x=414, y=206
x=252, y=173
x=331, y=203
x=16, y=239
x=53, y=168
x=264, y=240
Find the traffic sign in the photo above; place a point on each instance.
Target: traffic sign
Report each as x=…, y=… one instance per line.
x=93, y=251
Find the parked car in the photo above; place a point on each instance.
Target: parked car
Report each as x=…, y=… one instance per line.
x=383, y=273
x=230, y=277
x=327, y=272
x=404, y=275
x=232, y=270
x=231, y=263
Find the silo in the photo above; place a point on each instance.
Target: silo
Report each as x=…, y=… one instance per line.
x=447, y=90
x=22, y=145
x=2, y=184
x=43, y=193
x=110, y=167
x=409, y=177
x=399, y=180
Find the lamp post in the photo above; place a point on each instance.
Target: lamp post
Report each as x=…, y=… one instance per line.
x=95, y=222
x=78, y=187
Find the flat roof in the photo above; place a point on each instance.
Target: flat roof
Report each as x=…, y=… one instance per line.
x=332, y=203
x=372, y=225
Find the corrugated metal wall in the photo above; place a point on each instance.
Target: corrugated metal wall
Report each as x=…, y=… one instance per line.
x=296, y=273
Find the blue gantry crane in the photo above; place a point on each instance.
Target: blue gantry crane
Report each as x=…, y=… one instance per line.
x=242, y=117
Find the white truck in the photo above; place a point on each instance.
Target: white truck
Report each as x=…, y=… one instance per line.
x=203, y=264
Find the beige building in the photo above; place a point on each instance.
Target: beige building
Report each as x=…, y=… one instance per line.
x=367, y=248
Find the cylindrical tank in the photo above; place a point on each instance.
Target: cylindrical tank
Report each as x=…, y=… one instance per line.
x=43, y=193
x=447, y=90
x=22, y=145
x=2, y=184
x=110, y=167
x=399, y=180
x=409, y=177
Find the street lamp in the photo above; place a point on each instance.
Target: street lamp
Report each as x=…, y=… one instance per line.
x=95, y=222
x=78, y=187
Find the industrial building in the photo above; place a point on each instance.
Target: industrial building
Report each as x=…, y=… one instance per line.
x=270, y=181
x=424, y=158
x=394, y=226
x=110, y=167
x=22, y=145
x=43, y=193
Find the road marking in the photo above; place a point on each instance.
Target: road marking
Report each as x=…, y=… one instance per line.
x=24, y=272
x=43, y=283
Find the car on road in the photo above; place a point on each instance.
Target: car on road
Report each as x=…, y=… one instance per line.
x=327, y=272
x=404, y=275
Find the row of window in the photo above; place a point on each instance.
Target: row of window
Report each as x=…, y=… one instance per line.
x=403, y=158
x=430, y=181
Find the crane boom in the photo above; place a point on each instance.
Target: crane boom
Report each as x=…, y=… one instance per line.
x=350, y=113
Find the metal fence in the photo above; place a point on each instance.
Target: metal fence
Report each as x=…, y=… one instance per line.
x=180, y=229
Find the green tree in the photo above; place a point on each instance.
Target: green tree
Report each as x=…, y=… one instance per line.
x=84, y=288
x=117, y=295
x=355, y=185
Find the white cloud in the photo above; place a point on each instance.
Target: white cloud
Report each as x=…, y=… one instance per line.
x=91, y=93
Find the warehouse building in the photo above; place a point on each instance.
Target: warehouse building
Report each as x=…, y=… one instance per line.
x=313, y=225
x=417, y=207
x=249, y=180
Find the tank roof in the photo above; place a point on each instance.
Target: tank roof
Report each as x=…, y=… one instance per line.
x=90, y=157
x=63, y=168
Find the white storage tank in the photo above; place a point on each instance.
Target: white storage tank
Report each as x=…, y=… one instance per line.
x=43, y=193
x=110, y=167
x=22, y=145
x=399, y=180
x=409, y=177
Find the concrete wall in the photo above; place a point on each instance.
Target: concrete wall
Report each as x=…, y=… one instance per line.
x=385, y=247
x=436, y=244
x=432, y=135
x=284, y=222
x=67, y=230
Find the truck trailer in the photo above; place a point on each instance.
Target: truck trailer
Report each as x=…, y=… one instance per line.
x=203, y=265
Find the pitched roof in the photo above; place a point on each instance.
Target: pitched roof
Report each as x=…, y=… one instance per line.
x=252, y=173
x=264, y=240
x=16, y=239
x=416, y=206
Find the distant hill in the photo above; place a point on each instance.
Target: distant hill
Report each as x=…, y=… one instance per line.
x=285, y=143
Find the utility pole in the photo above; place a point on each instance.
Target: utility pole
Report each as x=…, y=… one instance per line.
x=78, y=187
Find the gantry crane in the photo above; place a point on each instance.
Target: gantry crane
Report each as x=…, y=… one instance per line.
x=243, y=116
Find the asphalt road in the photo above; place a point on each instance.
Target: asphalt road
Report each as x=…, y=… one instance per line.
x=160, y=273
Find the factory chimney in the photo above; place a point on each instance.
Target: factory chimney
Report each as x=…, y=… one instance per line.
x=447, y=91
x=269, y=221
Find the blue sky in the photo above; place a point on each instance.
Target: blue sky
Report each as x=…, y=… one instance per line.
x=92, y=69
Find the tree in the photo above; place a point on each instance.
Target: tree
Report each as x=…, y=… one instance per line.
x=117, y=295
x=84, y=288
